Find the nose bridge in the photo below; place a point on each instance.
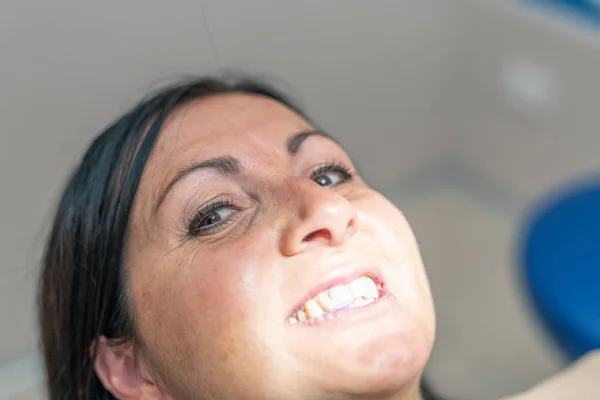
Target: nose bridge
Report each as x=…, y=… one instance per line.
x=311, y=200
x=316, y=215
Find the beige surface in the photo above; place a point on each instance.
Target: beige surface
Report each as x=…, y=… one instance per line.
x=35, y=392
x=581, y=381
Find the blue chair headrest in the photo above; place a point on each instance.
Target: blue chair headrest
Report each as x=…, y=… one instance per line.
x=562, y=267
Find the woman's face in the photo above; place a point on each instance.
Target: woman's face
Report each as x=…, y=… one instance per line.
x=247, y=223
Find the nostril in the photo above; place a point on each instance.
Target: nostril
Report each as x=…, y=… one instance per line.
x=352, y=228
x=319, y=234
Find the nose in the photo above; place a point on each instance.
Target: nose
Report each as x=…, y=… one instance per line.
x=318, y=216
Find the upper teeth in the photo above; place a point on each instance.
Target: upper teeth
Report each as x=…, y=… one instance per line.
x=357, y=293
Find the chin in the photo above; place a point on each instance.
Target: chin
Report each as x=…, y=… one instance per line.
x=384, y=359
x=391, y=365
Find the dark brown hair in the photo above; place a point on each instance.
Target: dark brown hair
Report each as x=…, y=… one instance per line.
x=83, y=291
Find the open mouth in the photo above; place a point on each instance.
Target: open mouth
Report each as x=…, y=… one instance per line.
x=358, y=293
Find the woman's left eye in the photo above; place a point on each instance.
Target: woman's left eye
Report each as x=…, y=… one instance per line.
x=331, y=175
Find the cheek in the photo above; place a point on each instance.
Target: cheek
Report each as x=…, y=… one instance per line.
x=199, y=314
x=203, y=299
x=389, y=231
x=384, y=224
x=219, y=287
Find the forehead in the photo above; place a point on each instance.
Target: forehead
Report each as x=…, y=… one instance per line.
x=225, y=124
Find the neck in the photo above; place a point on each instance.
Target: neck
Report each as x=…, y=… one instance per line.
x=412, y=392
x=409, y=392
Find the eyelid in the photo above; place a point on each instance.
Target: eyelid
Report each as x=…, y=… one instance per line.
x=332, y=166
x=205, y=211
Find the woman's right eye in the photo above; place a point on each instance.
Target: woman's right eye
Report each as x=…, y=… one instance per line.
x=210, y=219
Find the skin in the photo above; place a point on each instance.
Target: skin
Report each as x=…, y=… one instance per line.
x=212, y=309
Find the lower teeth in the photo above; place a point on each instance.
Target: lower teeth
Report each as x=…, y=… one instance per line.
x=300, y=316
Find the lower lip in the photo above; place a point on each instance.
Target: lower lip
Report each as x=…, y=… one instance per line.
x=383, y=302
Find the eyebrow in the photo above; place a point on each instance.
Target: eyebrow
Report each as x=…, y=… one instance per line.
x=229, y=165
x=224, y=165
x=294, y=143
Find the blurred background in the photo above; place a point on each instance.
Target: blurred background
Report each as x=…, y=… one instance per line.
x=465, y=113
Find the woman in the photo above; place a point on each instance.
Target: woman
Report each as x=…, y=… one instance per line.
x=214, y=244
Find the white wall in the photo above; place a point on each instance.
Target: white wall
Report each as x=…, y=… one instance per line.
x=526, y=150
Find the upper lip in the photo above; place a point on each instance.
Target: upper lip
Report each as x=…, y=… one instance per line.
x=338, y=276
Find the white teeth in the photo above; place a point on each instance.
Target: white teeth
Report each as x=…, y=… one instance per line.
x=325, y=302
x=355, y=288
x=301, y=315
x=358, y=303
x=357, y=293
x=371, y=288
x=360, y=287
x=313, y=310
x=340, y=295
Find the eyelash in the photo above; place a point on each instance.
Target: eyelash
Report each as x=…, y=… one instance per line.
x=202, y=214
x=333, y=166
x=193, y=231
